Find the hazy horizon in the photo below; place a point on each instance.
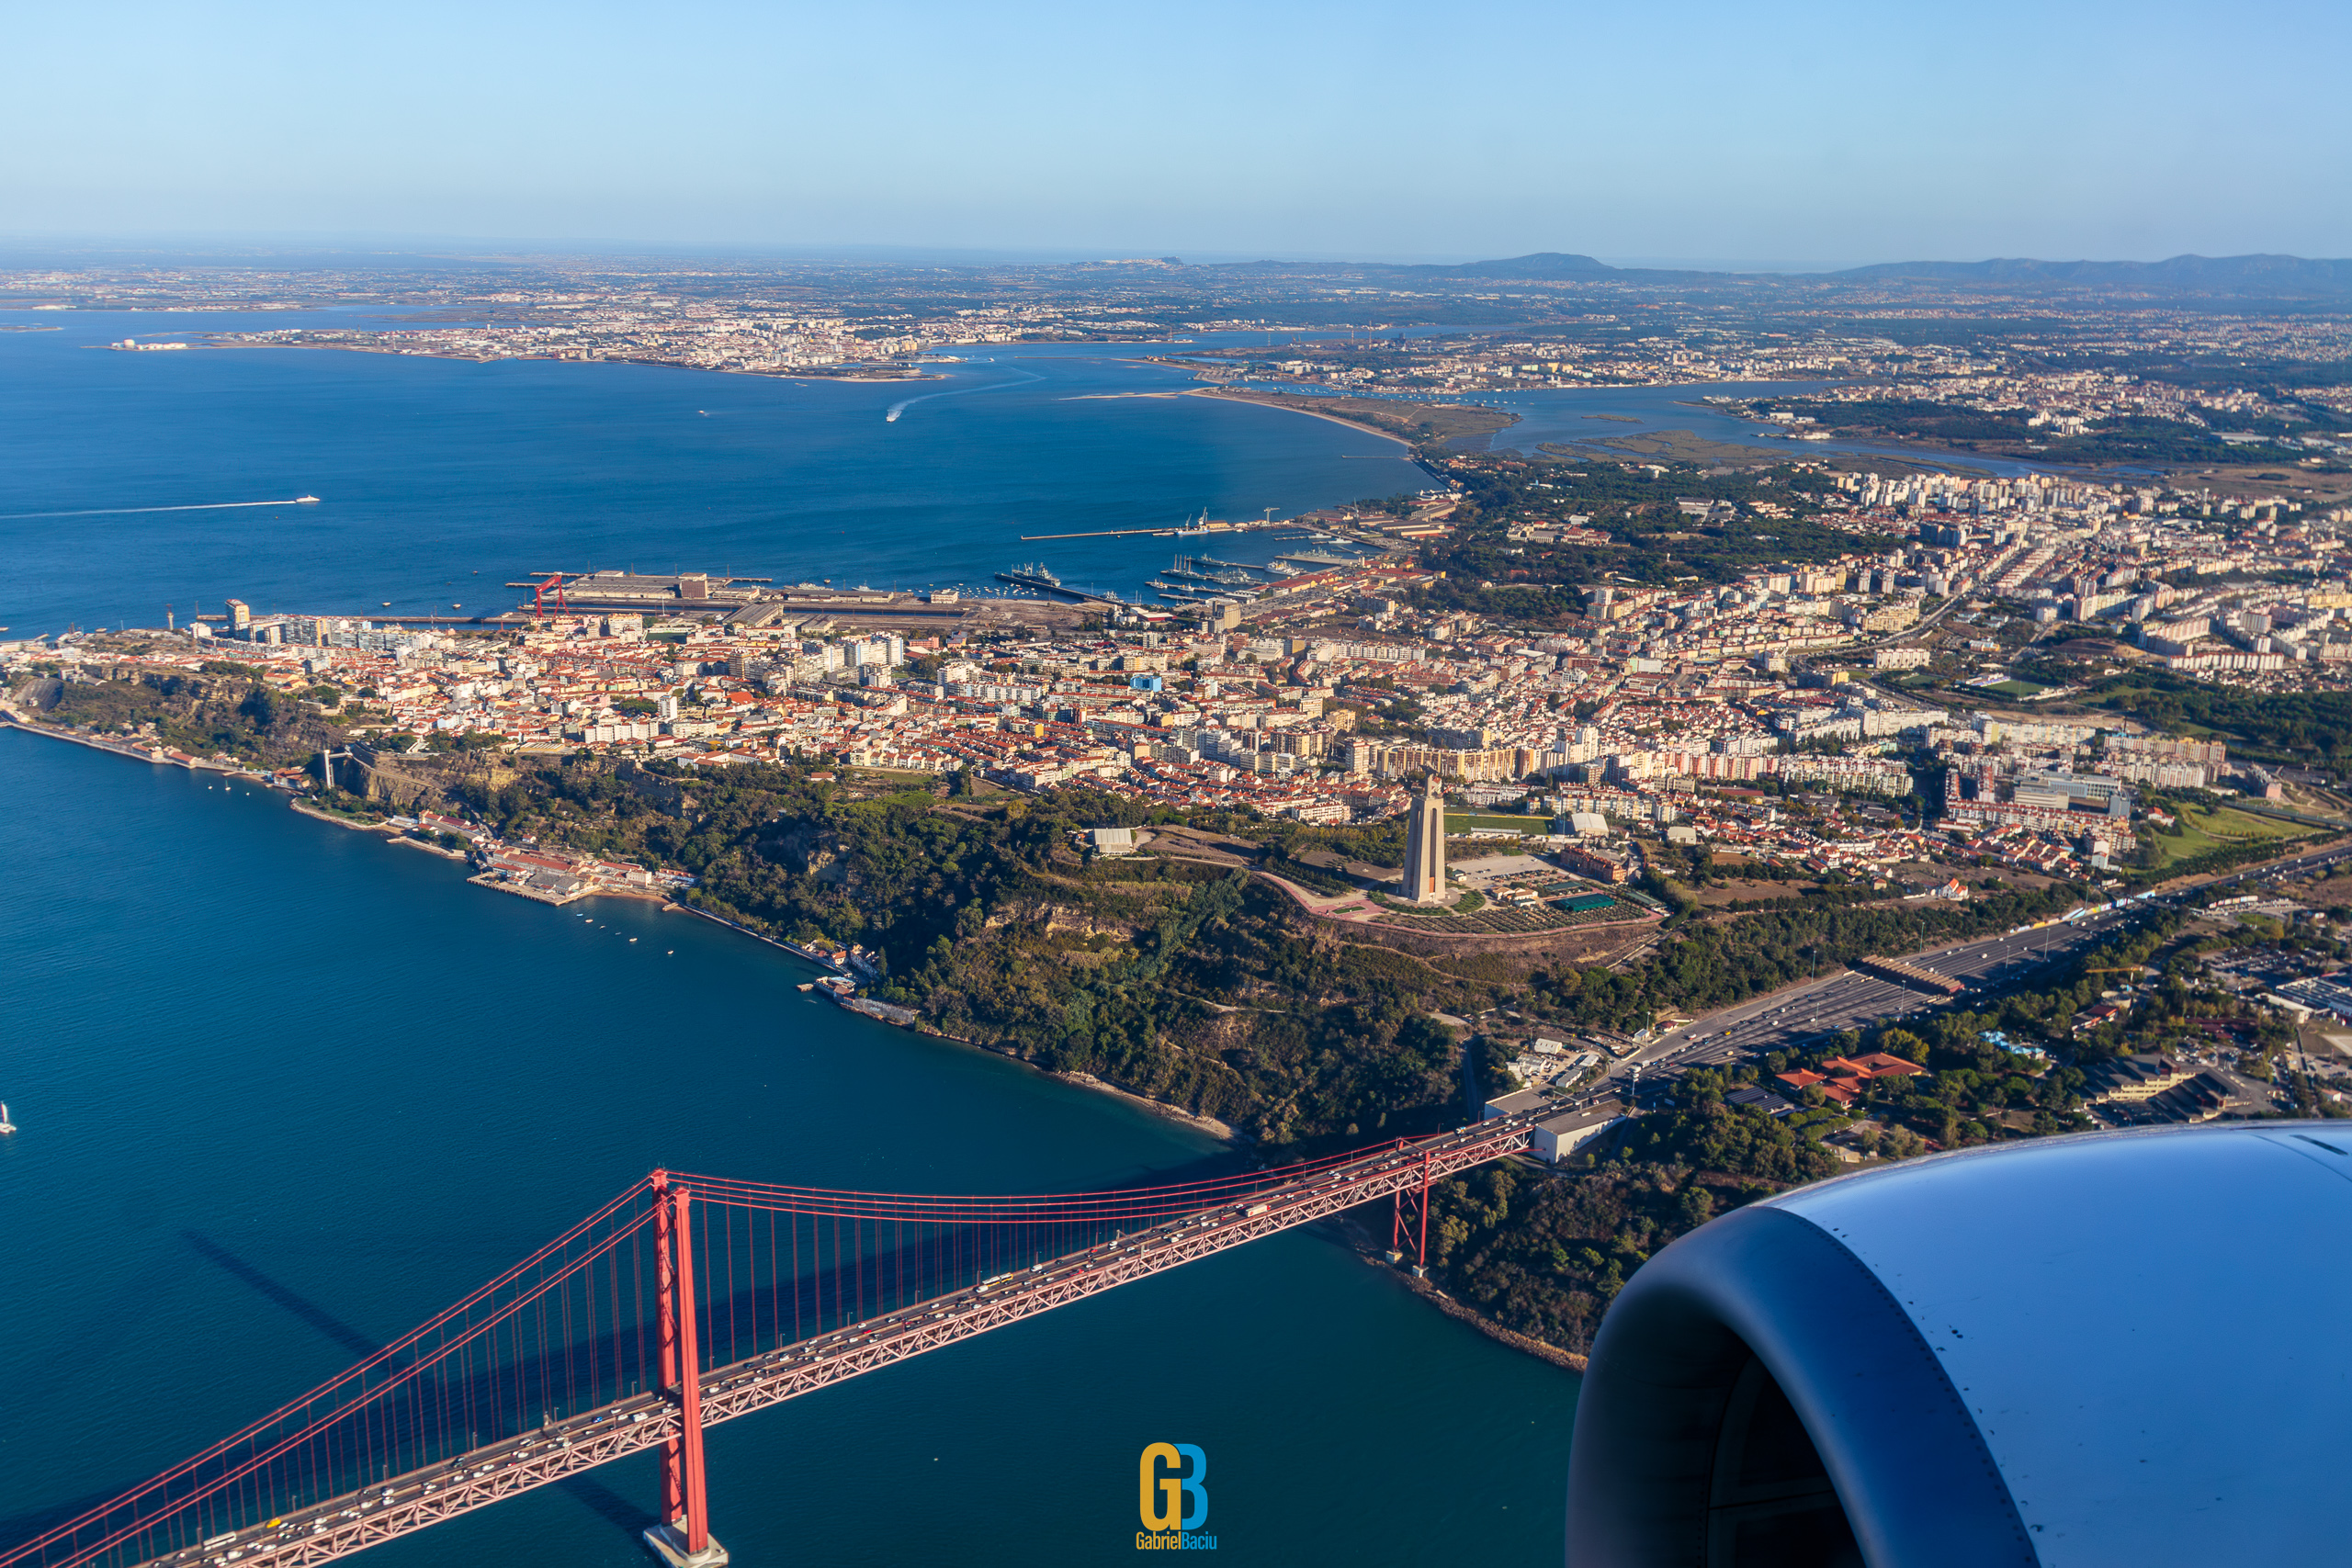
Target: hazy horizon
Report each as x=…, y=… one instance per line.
x=1310, y=131
x=30, y=250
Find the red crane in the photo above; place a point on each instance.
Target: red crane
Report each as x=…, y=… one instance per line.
x=540, y=591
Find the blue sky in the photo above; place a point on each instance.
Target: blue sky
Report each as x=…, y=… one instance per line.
x=1795, y=133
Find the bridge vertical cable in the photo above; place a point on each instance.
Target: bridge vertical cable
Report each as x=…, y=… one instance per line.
x=586, y=1339
x=485, y=1371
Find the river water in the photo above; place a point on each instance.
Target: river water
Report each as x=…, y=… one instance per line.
x=441, y=480
x=286, y=1091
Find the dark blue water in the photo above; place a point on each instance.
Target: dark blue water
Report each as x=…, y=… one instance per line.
x=285, y=1090
x=443, y=479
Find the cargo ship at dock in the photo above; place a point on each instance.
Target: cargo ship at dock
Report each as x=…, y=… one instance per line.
x=1037, y=580
x=1188, y=593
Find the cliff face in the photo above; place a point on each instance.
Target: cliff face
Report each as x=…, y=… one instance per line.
x=664, y=795
x=385, y=784
x=423, y=782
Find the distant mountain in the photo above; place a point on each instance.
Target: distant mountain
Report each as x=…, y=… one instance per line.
x=1542, y=263
x=2227, y=274
x=1542, y=266
x=2260, y=276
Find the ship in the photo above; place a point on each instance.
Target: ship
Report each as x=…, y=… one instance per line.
x=1033, y=577
x=306, y=501
x=5, y=1125
x=1206, y=576
x=1292, y=562
x=1037, y=580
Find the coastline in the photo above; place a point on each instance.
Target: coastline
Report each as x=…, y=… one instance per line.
x=801, y=375
x=1159, y=1108
x=315, y=815
x=1217, y=394
x=1567, y=1360
x=1208, y=1125
x=1222, y=1131
x=11, y=719
x=805, y=954
x=1368, y=1247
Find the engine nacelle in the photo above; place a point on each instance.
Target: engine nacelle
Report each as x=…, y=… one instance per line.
x=2120, y=1348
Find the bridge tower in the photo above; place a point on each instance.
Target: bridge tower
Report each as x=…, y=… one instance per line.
x=1401, y=1230
x=683, y=1538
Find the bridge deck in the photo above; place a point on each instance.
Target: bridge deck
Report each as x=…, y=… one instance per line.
x=410, y=1502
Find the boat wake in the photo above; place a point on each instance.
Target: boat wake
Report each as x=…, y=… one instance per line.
x=121, y=510
x=892, y=417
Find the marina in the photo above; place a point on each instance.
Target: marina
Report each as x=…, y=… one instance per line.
x=1197, y=579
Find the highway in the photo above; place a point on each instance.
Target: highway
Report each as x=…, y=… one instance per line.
x=1789, y=1018
x=1800, y=1016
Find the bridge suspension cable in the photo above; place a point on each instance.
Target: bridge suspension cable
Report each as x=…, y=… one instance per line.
x=687, y=1299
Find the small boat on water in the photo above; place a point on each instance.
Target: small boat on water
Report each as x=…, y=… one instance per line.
x=5, y=1125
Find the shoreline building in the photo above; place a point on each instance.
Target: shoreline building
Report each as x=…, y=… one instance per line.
x=1425, y=845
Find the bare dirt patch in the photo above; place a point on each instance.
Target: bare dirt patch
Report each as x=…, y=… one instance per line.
x=1433, y=424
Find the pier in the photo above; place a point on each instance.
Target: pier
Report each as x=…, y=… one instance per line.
x=1298, y=530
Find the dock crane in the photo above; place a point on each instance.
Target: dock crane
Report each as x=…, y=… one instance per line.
x=540, y=593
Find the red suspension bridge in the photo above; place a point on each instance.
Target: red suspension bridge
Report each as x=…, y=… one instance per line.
x=685, y=1301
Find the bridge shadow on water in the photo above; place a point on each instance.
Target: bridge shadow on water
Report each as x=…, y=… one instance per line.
x=586, y=1490
x=277, y=1295
x=25, y=1526
x=797, y=1294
